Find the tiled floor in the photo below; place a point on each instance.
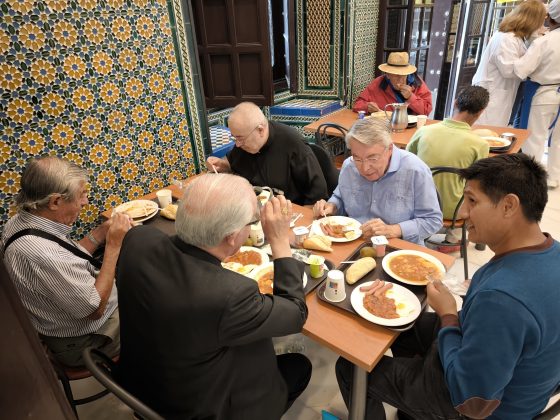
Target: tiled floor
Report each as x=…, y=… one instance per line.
x=322, y=392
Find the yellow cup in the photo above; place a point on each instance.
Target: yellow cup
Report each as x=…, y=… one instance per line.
x=316, y=266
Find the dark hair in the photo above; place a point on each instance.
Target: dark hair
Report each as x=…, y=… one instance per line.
x=517, y=174
x=472, y=99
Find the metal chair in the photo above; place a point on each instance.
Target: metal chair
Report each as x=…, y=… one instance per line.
x=66, y=374
x=450, y=224
x=551, y=412
x=102, y=368
x=333, y=144
x=327, y=167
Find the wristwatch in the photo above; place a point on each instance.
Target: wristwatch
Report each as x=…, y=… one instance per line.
x=92, y=239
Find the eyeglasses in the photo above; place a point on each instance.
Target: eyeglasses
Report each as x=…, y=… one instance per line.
x=241, y=139
x=372, y=160
x=258, y=215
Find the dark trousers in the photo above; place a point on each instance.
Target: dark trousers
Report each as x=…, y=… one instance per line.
x=412, y=380
x=296, y=371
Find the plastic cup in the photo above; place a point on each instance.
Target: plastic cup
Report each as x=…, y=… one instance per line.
x=164, y=198
x=379, y=243
x=335, y=290
x=421, y=120
x=301, y=233
x=257, y=234
x=316, y=266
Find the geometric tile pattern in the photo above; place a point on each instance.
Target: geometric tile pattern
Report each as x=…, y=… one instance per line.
x=362, y=44
x=220, y=137
x=318, y=42
x=306, y=107
x=323, y=24
x=190, y=81
x=95, y=82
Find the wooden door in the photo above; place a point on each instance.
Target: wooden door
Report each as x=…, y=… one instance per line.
x=234, y=51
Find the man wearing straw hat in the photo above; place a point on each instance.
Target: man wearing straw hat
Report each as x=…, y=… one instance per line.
x=400, y=83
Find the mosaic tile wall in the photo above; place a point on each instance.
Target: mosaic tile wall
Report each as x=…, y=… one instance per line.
x=362, y=44
x=319, y=47
x=94, y=81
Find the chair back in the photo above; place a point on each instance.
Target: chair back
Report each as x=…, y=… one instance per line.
x=327, y=167
x=102, y=368
x=553, y=411
x=454, y=222
x=450, y=170
x=333, y=144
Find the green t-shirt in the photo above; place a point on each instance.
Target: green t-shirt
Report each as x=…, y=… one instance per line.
x=448, y=143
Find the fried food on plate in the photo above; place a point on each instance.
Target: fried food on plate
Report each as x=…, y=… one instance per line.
x=138, y=208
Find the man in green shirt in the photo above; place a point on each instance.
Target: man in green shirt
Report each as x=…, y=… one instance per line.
x=452, y=143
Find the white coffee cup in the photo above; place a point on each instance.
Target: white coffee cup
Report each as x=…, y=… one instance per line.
x=257, y=234
x=164, y=198
x=335, y=290
x=421, y=120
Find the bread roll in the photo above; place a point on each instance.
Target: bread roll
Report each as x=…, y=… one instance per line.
x=170, y=211
x=359, y=269
x=318, y=243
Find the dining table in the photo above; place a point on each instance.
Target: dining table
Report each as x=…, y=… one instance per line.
x=356, y=339
x=346, y=118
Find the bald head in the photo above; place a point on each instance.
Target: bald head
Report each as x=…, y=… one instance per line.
x=248, y=126
x=214, y=206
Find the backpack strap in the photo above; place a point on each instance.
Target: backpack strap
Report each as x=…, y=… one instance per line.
x=41, y=233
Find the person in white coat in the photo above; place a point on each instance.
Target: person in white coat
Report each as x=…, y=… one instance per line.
x=495, y=71
x=541, y=64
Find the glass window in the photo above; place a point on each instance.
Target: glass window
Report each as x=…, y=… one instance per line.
x=472, y=51
x=425, y=34
x=396, y=28
x=415, y=33
x=422, y=58
x=397, y=3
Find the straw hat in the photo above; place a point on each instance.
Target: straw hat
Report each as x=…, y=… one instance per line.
x=397, y=63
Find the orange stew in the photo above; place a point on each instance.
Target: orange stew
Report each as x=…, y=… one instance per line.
x=265, y=282
x=381, y=306
x=245, y=258
x=413, y=268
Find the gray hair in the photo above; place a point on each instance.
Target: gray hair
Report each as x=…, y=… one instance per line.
x=214, y=206
x=370, y=131
x=43, y=177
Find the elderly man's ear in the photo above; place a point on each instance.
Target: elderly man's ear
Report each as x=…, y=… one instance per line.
x=55, y=201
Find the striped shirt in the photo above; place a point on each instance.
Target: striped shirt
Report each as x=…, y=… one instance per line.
x=56, y=287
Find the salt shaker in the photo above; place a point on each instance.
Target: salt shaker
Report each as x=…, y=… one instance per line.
x=361, y=115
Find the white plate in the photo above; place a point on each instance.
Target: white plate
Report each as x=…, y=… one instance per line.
x=264, y=259
x=503, y=142
x=400, y=294
x=341, y=220
x=257, y=271
x=391, y=255
x=150, y=206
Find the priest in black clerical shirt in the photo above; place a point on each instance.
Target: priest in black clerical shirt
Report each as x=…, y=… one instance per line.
x=269, y=153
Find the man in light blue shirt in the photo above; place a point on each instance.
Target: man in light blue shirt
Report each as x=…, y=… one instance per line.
x=390, y=191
